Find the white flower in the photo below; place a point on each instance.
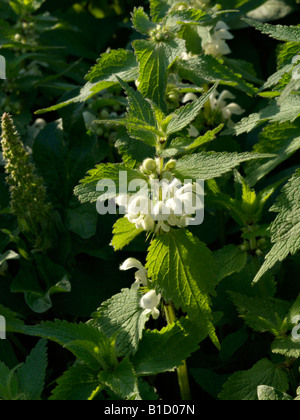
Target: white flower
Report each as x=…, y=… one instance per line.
x=140, y=275
x=217, y=45
x=166, y=203
x=149, y=303
x=218, y=103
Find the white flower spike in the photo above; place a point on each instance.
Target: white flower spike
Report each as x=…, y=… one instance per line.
x=149, y=303
x=140, y=275
x=217, y=45
x=218, y=103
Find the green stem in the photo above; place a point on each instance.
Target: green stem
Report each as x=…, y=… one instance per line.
x=182, y=372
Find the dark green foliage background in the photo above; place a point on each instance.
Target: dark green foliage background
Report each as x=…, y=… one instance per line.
x=81, y=250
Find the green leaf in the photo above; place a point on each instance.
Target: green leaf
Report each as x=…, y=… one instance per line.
x=279, y=32
x=77, y=383
x=165, y=350
x=262, y=315
x=121, y=63
x=182, y=145
x=86, y=342
x=133, y=151
x=243, y=385
x=137, y=128
x=83, y=220
x=8, y=383
x=269, y=393
x=141, y=21
x=281, y=139
x=153, y=64
x=123, y=318
x=139, y=107
x=114, y=177
x=277, y=111
x=285, y=230
x=122, y=381
x=182, y=269
x=159, y=8
x=183, y=116
x=286, y=346
x=123, y=233
x=141, y=122
x=211, y=165
x=209, y=69
x=31, y=375
x=230, y=259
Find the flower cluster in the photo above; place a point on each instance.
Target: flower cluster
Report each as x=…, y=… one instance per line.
x=218, y=104
x=217, y=46
x=165, y=202
x=150, y=300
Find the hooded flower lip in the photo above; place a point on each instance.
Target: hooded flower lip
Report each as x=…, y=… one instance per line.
x=169, y=203
x=217, y=45
x=149, y=303
x=218, y=103
x=141, y=277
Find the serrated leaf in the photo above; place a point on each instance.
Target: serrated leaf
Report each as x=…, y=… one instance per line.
x=285, y=230
x=86, y=342
x=286, y=346
x=122, y=381
x=182, y=145
x=243, y=385
x=141, y=21
x=103, y=75
x=208, y=165
x=277, y=111
x=117, y=175
x=159, y=8
x=182, y=269
x=31, y=375
x=209, y=69
x=262, y=315
x=123, y=233
x=269, y=393
x=140, y=121
x=122, y=317
x=153, y=64
x=281, y=139
x=133, y=151
x=77, y=383
x=279, y=32
x=165, y=350
x=137, y=128
x=183, y=116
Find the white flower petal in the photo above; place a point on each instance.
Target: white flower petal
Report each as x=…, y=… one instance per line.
x=132, y=263
x=150, y=300
x=235, y=109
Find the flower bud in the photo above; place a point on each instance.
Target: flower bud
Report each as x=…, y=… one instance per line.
x=148, y=223
x=170, y=165
x=149, y=165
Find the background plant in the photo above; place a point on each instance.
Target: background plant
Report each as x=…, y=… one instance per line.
x=229, y=285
